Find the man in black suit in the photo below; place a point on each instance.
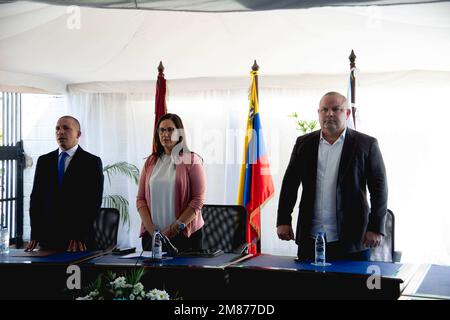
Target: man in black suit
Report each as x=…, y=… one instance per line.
x=335, y=166
x=67, y=193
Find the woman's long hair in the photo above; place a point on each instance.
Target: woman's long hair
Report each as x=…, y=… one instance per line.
x=178, y=125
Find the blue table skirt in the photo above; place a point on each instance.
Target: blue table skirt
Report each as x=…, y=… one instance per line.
x=61, y=257
x=353, y=267
x=217, y=262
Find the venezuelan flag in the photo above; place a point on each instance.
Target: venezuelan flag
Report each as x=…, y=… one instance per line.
x=255, y=183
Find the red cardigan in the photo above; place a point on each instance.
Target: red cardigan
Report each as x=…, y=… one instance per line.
x=190, y=188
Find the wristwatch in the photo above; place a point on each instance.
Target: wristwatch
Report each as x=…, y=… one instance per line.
x=181, y=225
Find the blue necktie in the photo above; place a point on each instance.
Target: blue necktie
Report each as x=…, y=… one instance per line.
x=61, y=167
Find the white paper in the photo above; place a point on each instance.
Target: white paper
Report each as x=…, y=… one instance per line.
x=145, y=254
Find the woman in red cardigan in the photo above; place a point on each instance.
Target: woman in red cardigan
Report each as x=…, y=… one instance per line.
x=172, y=189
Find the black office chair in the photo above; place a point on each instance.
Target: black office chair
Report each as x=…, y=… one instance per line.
x=225, y=227
x=386, y=251
x=106, y=227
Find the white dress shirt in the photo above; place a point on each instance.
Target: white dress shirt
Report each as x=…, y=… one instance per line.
x=162, y=192
x=324, y=215
x=70, y=152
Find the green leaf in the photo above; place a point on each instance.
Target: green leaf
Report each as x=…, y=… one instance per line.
x=96, y=285
x=120, y=203
x=135, y=276
x=304, y=126
x=110, y=276
x=122, y=168
x=117, y=201
x=312, y=125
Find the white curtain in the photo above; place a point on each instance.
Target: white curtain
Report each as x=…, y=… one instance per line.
x=406, y=111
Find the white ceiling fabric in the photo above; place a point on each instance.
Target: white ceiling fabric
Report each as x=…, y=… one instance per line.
x=38, y=50
x=223, y=5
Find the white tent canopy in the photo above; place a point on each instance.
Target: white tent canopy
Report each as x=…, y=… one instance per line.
x=222, y=5
x=47, y=47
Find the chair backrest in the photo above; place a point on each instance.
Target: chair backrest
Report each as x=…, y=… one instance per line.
x=386, y=251
x=225, y=227
x=106, y=227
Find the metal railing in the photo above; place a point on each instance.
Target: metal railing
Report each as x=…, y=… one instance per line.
x=12, y=162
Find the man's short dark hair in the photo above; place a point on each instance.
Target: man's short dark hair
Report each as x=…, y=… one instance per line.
x=74, y=120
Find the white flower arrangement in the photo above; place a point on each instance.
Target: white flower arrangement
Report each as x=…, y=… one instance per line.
x=126, y=287
x=156, y=294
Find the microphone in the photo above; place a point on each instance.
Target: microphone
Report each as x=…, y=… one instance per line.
x=173, y=250
x=144, y=247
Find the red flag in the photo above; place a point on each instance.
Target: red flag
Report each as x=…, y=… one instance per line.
x=160, y=101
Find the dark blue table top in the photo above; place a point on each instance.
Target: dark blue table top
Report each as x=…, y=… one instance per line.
x=209, y=262
x=436, y=282
x=266, y=261
x=57, y=258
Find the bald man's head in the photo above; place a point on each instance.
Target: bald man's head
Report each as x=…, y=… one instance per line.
x=67, y=132
x=333, y=114
x=343, y=100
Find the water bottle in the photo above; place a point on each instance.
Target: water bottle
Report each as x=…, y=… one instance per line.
x=157, y=245
x=320, y=259
x=4, y=240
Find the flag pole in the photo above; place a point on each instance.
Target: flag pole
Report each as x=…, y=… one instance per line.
x=352, y=59
x=255, y=181
x=160, y=101
x=255, y=68
x=160, y=68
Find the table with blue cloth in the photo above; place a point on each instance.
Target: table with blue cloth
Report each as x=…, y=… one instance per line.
x=224, y=277
x=282, y=277
x=37, y=277
x=193, y=277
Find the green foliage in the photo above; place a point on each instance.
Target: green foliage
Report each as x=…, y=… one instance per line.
x=120, y=203
x=117, y=201
x=304, y=126
x=124, y=168
x=96, y=285
x=135, y=275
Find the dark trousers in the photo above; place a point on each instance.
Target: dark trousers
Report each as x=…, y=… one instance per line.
x=180, y=241
x=333, y=251
x=54, y=245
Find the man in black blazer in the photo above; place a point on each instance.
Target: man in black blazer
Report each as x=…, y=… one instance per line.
x=67, y=193
x=335, y=165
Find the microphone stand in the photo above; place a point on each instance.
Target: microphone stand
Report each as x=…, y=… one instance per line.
x=171, y=248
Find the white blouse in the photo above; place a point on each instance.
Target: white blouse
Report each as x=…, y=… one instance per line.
x=162, y=192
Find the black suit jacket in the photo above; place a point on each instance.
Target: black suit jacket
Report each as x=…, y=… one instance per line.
x=361, y=167
x=59, y=214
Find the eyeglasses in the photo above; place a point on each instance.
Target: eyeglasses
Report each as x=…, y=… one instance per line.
x=169, y=130
x=335, y=109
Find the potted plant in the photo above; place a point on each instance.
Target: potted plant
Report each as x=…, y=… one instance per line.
x=304, y=126
x=128, y=286
x=118, y=201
